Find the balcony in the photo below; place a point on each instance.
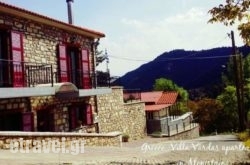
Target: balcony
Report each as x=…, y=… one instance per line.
x=23, y=79
x=24, y=74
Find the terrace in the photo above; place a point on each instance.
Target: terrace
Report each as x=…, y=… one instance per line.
x=24, y=79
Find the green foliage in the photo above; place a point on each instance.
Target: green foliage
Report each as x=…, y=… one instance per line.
x=228, y=76
x=243, y=136
x=246, y=68
x=163, y=84
x=232, y=11
x=100, y=57
x=247, y=143
x=230, y=112
x=205, y=112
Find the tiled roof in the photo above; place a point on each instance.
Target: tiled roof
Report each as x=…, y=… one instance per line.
x=168, y=98
x=20, y=12
x=151, y=96
x=156, y=107
x=159, y=97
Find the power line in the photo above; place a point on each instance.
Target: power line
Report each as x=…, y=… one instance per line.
x=172, y=59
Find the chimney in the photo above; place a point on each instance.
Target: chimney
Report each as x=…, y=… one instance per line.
x=70, y=15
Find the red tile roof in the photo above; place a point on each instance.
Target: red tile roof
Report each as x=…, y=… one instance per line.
x=151, y=96
x=168, y=98
x=6, y=8
x=159, y=97
x=156, y=107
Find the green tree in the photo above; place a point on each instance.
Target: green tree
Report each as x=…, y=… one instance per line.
x=205, y=112
x=163, y=84
x=229, y=101
x=100, y=57
x=246, y=69
x=232, y=11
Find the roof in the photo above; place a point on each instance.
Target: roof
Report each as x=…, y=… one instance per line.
x=159, y=97
x=19, y=12
x=156, y=107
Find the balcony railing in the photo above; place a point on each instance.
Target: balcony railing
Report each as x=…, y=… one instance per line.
x=38, y=74
x=31, y=74
x=24, y=73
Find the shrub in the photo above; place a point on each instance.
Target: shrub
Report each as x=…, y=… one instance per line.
x=243, y=136
x=247, y=143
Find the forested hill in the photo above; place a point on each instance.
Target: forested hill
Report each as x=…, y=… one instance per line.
x=189, y=69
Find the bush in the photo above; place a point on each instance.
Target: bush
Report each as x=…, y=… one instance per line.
x=243, y=136
x=125, y=137
x=247, y=143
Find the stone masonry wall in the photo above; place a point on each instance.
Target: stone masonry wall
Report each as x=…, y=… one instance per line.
x=59, y=108
x=30, y=139
x=115, y=115
x=40, y=41
x=14, y=104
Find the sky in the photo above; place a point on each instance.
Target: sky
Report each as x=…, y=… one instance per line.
x=137, y=31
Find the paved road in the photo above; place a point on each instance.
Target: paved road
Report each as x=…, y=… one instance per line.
x=219, y=149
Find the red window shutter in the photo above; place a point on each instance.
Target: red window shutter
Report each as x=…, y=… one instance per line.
x=17, y=57
x=86, y=80
x=62, y=58
x=27, y=121
x=89, y=115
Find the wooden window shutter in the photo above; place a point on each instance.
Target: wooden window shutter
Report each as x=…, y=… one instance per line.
x=62, y=63
x=27, y=121
x=86, y=80
x=89, y=115
x=17, y=57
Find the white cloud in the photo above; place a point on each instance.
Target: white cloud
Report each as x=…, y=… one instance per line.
x=144, y=40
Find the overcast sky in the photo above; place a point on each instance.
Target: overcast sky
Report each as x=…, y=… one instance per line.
x=137, y=31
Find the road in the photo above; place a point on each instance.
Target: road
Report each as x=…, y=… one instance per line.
x=219, y=149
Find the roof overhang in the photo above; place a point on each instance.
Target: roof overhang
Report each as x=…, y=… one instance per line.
x=59, y=90
x=18, y=12
x=156, y=107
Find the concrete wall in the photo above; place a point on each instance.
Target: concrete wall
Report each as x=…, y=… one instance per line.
x=115, y=115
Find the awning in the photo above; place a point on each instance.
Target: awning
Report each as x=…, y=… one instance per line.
x=63, y=90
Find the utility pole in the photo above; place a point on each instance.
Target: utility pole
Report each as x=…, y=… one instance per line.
x=239, y=85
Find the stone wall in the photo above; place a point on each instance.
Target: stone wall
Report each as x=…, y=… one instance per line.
x=31, y=138
x=59, y=107
x=40, y=41
x=115, y=115
x=14, y=104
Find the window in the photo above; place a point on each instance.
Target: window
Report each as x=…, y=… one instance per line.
x=11, y=59
x=15, y=120
x=150, y=115
x=74, y=66
x=80, y=115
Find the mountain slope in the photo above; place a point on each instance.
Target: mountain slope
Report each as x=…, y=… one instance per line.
x=189, y=69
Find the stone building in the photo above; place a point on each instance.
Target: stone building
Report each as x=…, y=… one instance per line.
x=47, y=73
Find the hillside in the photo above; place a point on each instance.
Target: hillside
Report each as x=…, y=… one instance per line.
x=189, y=69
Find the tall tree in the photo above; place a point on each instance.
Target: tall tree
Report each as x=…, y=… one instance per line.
x=231, y=12
x=163, y=84
x=229, y=102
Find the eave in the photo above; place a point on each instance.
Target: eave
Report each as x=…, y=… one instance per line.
x=18, y=12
